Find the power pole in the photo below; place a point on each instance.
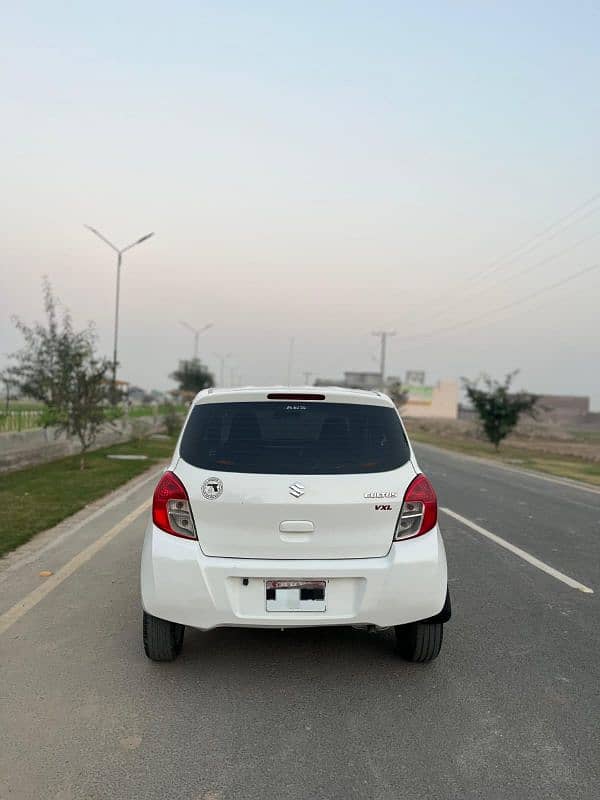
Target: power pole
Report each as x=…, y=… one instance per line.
x=383, y=336
x=307, y=378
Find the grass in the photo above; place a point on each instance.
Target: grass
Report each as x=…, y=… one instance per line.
x=561, y=466
x=39, y=497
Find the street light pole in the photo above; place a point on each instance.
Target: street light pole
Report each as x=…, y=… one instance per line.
x=196, y=332
x=383, y=336
x=222, y=359
x=290, y=361
x=119, y=253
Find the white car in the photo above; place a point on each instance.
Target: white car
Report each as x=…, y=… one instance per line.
x=290, y=508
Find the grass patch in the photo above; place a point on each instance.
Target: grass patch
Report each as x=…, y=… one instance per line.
x=39, y=497
x=561, y=466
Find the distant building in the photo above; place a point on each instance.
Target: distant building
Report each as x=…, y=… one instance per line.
x=433, y=402
x=439, y=401
x=558, y=409
x=563, y=409
x=353, y=380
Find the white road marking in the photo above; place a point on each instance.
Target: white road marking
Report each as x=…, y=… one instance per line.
x=31, y=600
x=560, y=576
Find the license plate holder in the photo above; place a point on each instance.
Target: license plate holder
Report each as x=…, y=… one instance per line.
x=296, y=595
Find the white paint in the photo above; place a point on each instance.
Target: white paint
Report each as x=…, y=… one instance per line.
x=560, y=576
x=14, y=614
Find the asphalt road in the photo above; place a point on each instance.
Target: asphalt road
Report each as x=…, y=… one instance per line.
x=509, y=710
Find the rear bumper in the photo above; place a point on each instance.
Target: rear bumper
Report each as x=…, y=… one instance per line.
x=179, y=583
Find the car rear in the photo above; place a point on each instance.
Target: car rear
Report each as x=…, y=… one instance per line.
x=286, y=508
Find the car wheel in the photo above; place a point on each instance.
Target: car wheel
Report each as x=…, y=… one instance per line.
x=419, y=641
x=162, y=639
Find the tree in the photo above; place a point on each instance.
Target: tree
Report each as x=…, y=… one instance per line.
x=59, y=367
x=498, y=409
x=396, y=391
x=193, y=376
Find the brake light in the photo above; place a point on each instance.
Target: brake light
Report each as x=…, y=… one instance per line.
x=290, y=396
x=171, y=510
x=419, y=510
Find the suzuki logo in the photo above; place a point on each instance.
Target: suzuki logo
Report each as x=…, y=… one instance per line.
x=296, y=490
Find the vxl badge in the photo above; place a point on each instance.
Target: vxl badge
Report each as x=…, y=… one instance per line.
x=379, y=495
x=212, y=488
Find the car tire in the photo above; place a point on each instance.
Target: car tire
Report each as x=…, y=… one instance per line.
x=419, y=641
x=163, y=640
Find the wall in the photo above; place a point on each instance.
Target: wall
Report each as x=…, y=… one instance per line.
x=26, y=448
x=444, y=403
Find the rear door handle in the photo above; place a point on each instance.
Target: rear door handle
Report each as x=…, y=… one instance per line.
x=297, y=526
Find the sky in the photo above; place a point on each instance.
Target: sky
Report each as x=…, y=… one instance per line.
x=315, y=170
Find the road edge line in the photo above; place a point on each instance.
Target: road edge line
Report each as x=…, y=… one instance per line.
x=14, y=614
x=535, y=562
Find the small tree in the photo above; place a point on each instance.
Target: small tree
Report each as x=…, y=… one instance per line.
x=193, y=376
x=396, y=391
x=498, y=409
x=59, y=367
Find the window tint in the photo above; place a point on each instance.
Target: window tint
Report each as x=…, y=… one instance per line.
x=294, y=438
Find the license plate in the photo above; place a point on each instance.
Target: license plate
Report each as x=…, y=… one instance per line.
x=299, y=595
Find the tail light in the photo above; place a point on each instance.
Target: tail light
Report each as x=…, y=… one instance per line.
x=419, y=510
x=171, y=510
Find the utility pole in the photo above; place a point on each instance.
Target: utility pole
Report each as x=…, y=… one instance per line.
x=119, y=253
x=196, y=332
x=307, y=378
x=383, y=336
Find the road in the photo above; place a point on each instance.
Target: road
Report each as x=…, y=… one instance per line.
x=509, y=710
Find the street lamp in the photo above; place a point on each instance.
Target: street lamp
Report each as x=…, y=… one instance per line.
x=196, y=332
x=119, y=253
x=222, y=359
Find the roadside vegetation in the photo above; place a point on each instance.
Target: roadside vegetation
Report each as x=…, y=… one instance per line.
x=40, y=497
x=498, y=408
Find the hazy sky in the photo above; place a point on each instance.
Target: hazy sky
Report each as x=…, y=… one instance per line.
x=316, y=170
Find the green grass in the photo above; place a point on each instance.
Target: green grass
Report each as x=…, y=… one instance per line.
x=39, y=497
x=561, y=466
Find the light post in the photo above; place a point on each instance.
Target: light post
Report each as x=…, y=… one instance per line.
x=222, y=359
x=196, y=332
x=119, y=253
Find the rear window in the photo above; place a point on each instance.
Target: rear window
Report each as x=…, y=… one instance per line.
x=294, y=438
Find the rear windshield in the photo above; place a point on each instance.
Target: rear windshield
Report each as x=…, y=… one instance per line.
x=297, y=438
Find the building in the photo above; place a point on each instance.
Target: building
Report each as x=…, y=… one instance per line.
x=562, y=409
x=433, y=402
x=353, y=380
x=439, y=401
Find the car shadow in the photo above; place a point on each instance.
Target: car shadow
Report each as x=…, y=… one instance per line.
x=288, y=647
